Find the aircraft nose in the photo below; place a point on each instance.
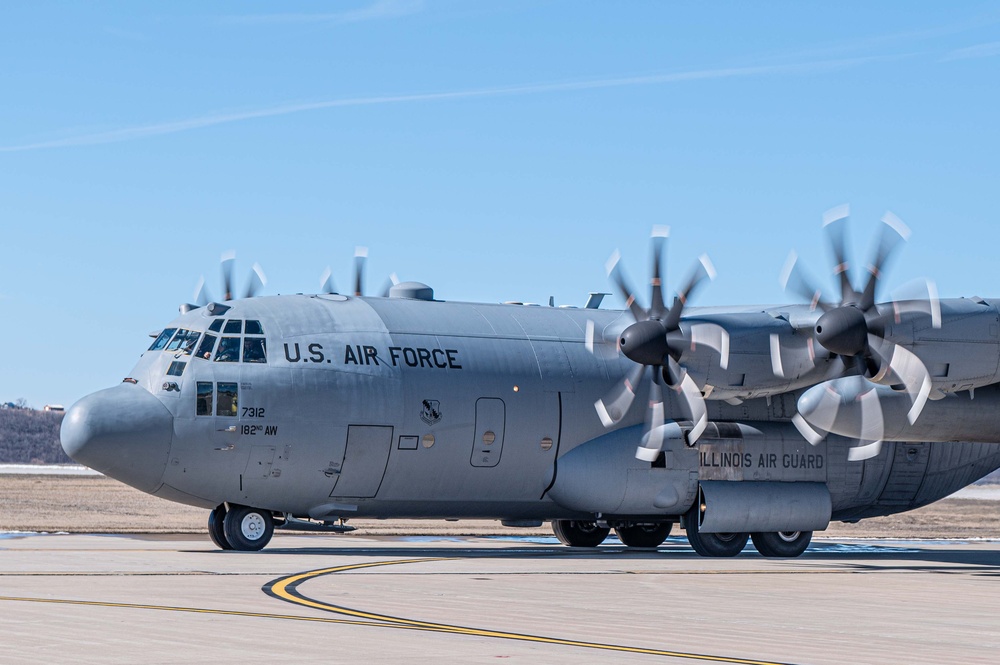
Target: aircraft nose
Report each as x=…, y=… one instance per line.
x=123, y=432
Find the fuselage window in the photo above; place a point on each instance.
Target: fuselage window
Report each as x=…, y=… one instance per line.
x=228, y=400
x=163, y=338
x=234, y=326
x=254, y=328
x=254, y=350
x=176, y=368
x=204, y=407
x=229, y=350
x=216, y=325
x=206, y=346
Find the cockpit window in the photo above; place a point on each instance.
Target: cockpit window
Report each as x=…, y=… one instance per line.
x=234, y=326
x=216, y=325
x=228, y=399
x=163, y=338
x=254, y=350
x=229, y=350
x=184, y=341
x=206, y=346
x=254, y=328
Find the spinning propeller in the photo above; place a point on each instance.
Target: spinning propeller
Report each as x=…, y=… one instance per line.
x=853, y=331
x=255, y=282
x=326, y=284
x=657, y=340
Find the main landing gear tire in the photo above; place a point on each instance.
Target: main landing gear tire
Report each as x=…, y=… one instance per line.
x=215, y=529
x=783, y=544
x=644, y=535
x=713, y=544
x=579, y=534
x=248, y=529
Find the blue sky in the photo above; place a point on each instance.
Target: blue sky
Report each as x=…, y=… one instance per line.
x=496, y=151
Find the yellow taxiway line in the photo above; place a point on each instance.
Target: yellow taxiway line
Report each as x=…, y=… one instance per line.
x=286, y=588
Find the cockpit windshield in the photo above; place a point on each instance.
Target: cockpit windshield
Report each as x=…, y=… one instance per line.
x=184, y=341
x=241, y=340
x=162, y=339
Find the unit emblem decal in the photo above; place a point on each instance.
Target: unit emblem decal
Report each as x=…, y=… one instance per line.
x=431, y=412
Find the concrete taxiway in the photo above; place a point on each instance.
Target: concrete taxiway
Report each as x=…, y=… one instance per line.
x=354, y=599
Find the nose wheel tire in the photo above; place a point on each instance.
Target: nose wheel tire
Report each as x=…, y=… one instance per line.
x=576, y=533
x=644, y=535
x=215, y=527
x=783, y=544
x=713, y=544
x=248, y=529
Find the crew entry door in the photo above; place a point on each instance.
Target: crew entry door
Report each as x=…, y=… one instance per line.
x=487, y=444
x=365, y=459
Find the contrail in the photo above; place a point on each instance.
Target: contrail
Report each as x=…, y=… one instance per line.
x=145, y=131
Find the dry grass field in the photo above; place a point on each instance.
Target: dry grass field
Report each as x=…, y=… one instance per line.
x=89, y=504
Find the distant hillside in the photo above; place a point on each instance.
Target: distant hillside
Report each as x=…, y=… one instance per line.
x=30, y=437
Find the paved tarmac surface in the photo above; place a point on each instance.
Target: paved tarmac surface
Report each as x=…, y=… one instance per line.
x=355, y=599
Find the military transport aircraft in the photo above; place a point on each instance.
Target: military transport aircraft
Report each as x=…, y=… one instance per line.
x=766, y=422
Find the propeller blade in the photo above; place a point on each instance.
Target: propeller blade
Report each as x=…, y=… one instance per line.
x=326, y=284
x=617, y=275
x=228, y=259
x=820, y=404
x=613, y=407
x=909, y=369
x=793, y=278
x=653, y=440
x=360, y=256
x=703, y=270
x=695, y=407
x=392, y=281
x=777, y=366
x=893, y=233
x=806, y=430
x=597, y=343
x=863, y=452
x=256, y=282
x=659, y=237
x=835, y=225
x=872, y=428
x=693, y=402
x=713, y=336
x=872, y=424
x=920, y=295
x=201, y=294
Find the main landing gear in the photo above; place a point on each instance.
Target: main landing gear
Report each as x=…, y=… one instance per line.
x=783, y=544
x=647, y=535
x=579, y=533
x=240, y=527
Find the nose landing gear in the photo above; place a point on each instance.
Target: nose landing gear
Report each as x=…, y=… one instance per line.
x=240, y=528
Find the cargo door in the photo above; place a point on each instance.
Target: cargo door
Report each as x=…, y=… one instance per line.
x=487, y=444
x=365, y=459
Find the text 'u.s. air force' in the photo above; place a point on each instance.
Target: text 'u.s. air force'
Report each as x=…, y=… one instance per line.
x=363, y=354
